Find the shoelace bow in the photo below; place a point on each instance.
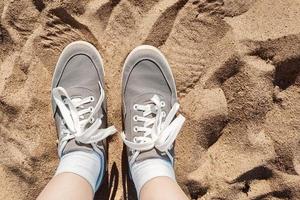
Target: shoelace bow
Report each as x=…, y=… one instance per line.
x=157, y=133
x=73, y=114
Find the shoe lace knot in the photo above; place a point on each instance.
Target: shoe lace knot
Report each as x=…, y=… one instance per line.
x=159, y=130
x=79, y=120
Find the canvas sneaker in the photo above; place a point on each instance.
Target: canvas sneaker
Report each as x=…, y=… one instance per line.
x=149, y=106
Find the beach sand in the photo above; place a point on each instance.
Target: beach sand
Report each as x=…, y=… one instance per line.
x=237, y=68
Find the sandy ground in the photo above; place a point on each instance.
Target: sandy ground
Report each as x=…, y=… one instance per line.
x=236, y=63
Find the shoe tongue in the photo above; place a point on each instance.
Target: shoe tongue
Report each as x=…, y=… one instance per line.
x=76, y=93
x=145, y=99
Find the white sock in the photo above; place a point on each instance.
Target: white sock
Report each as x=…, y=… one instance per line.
x=88, y=165
x=146, y=170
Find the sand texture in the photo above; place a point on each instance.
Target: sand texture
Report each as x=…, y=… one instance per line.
x=237, y=68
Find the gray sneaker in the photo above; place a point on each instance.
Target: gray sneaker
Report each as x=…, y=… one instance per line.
x=149, y=106
x=78, y=100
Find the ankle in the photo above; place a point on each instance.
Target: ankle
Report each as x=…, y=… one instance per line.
x=144, y=171
x=89, y=165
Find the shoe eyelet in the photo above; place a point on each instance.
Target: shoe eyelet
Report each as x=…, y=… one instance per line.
x=162, y=104
x=92, y=98
x=163, y=113
x=135, y=129
x=91, y=109
x=135, y=107
x=135, y=118
x=92, y=120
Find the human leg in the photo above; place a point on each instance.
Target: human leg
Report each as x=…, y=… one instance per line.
x=67, y=186
x=162, y=188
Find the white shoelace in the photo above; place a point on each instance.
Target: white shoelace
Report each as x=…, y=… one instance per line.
x=157, y=133
x=73, y=114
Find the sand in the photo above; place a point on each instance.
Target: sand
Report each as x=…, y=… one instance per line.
x=236, y=64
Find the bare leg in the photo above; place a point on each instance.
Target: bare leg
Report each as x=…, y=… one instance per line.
x=162, y=188
x=67, y=186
